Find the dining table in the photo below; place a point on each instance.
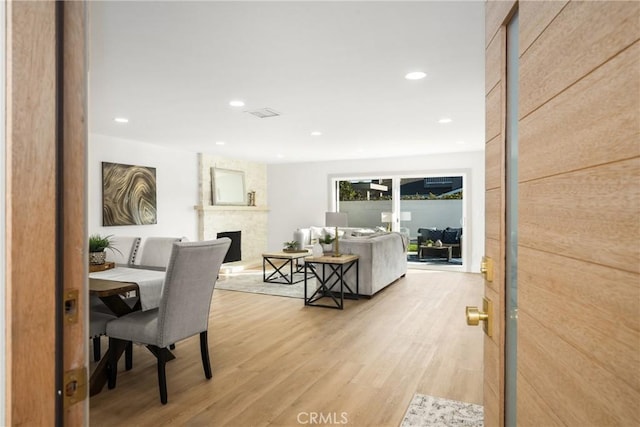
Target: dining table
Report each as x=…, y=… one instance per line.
x=112, y=286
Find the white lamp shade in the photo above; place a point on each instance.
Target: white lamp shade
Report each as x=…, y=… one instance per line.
x=335, y=219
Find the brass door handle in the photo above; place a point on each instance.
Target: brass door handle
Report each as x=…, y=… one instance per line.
x=486, y=268
x=475, y=316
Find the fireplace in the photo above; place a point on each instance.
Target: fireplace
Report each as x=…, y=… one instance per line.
x=234, y=253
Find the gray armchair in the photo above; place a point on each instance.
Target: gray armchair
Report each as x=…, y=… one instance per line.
x=126, y=249
x=183, y=312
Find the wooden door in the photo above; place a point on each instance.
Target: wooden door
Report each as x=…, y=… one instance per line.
x=45, y=211
x=578, y=343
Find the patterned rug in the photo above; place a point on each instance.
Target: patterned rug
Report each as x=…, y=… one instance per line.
x=429, y=411
x=252, y=282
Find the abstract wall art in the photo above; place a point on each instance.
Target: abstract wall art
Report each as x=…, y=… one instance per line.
x=128, y=194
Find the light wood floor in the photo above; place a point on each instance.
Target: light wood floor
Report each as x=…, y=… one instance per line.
x=275, y=360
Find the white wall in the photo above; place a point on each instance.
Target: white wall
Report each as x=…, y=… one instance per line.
x=299, y=194
x=176, y=181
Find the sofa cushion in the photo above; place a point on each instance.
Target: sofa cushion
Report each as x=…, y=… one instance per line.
x=435, y=234
x=450, y=236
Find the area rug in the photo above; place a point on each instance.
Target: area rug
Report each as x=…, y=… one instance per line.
x=438, y=412
x=252, y=282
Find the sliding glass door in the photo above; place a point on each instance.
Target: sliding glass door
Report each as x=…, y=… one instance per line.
x=428, y=209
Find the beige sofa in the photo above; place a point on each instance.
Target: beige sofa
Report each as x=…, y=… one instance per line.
x=383, y=259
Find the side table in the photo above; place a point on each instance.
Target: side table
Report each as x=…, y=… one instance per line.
x=330, y=271
x=280, y=274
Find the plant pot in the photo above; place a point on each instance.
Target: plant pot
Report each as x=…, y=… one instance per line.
x=97, y=258
x=327, y=247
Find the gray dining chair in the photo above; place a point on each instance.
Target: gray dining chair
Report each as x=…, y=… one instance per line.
x=183, y=311
x=157, y=250
x=125, y=249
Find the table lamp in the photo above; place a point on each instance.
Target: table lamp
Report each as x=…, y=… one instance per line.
x=336, y=219
x=388, y=218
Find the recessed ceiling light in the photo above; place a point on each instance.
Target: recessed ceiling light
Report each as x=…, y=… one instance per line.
x=220, y=142
x=445, y=120
x=121, y=120
x=415, y=75
x=236, y=103
x=316, y=133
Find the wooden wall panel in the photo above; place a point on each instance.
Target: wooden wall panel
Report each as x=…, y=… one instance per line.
x=597, y=320
x=590, y=214
x=574, y=44
x=577, y=393
x=536, y=16
x=492, y=412
x=31, y=228
x=601, y=107
x=74, y=176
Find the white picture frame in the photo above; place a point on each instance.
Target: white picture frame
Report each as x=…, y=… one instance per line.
x=228, y=187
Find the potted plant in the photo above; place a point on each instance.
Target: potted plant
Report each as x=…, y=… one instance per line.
x=326, y=242
x=97, y=246
x=291, y=246
x=429, y=242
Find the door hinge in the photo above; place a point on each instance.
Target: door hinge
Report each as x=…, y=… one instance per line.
x=74, y=386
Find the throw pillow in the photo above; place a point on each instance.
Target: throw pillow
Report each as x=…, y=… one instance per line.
x=450, y=236
x=435, y=235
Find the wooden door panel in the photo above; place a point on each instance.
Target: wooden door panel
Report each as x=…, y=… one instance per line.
x=31, y=227
x=496, y=13
x=536, y=412
x=536, y=16
x=590, y=214
x=557, y=301
x=575, y=43
x=493, y=214
x=576, y=392
x=493, y=106
x=493, y=171
x=494, y=64
x=601, y=107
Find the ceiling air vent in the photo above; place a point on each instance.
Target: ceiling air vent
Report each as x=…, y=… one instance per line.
x=263, y=113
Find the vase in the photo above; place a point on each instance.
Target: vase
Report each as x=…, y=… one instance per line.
x=97, y=258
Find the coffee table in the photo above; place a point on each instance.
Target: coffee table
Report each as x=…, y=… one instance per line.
x=280, y=275
x=436, y=251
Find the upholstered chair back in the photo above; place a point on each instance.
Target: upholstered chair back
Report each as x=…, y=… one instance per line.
x=125, y=249
x=188, y=288
x=157, y=250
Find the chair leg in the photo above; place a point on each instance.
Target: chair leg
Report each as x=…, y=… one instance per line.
x=128, y=356
x=204, y=352
x=112, y=364
x=96, y=349
x=163, y=355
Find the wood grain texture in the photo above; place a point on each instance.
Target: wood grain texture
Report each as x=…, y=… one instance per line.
x=595, y=121
x=532, y=409
x=582, y=37
x=74, y=172
x=535, y=16
x=31, y=227
x=493, y=214
x=493, y=159
x=273, y=358
x=494, y=60
x=597, y=317
x=496, y=13
x=494, y=113
x=493, y=250
x=572, y=387
x=571, y=214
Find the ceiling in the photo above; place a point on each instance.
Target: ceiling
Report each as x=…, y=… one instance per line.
x=335, y=67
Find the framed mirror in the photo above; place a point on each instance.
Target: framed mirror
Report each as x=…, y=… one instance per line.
x=227, y=187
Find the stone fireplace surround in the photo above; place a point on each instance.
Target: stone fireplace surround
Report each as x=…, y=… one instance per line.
x=250, y=220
